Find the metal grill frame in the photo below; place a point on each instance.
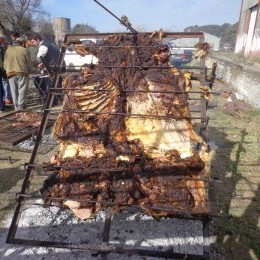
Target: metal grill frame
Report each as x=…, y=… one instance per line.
x=104, y=248
x=14, y=135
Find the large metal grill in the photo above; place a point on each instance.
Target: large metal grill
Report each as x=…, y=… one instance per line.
x=105, y=247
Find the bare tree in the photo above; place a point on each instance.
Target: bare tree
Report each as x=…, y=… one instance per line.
x=18, y=13
x=45, y=28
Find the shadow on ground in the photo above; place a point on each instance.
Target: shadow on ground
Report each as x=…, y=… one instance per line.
x=236, y=206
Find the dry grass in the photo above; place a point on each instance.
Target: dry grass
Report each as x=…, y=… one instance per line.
x=234, y=57
x=236, y=166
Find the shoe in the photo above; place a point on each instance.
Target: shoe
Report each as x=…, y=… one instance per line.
x=8, y=101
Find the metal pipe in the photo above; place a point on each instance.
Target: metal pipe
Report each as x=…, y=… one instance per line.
x=74, y=198
x=137, y=91
x=27, y=178
x=102, y=36
x=127, y=25
x=110, y=248
x=121, y=114
x=125, y=47
x=138, y=67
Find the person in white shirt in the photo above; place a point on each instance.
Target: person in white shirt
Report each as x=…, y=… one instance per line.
x=50, y=53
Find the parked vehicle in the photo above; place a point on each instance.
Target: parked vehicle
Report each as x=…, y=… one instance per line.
x=179, y=56
x=74, y=61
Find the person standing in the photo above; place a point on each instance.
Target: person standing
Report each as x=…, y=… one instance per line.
x=2, y=72
x=7, y=97
x=46, y=50
x=17, y=64
x=50, y=53
x=14, y=36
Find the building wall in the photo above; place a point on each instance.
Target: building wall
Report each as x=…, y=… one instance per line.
x=244, y=79
x=212, y=40
x=248, y=36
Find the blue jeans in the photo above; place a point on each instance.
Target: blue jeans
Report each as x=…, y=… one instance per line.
x=2, y=103
x=43, y=84
x=6, y=87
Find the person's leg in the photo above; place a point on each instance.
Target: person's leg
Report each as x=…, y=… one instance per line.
x=48, y=86
x=23, y=83
x=49, y=83
x=4, y=89
x=14, y=90
x=7, y=93
x=2, y=103
x=43, y=86
x=37, y=82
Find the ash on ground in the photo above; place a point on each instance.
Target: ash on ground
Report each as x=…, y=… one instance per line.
x=47, y=144
x=130, y=229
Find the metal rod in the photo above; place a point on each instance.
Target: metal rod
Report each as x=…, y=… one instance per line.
x=61, y=94
x=138, y=91
x=172, y=210
x=206, y=238
x=110, y=248
x=111, y=203
x=167, y=35
x=128, y=26
x=125, y=210
x=33, y=196
x=98, y=170
x=136, y=66
x=107, y=226
x=126, y=47
x=120, y=114
x=212, y=75
x=9, y=158
x=27, y=178
x=216, y=204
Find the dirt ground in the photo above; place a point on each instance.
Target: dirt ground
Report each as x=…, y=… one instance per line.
x=235, y=139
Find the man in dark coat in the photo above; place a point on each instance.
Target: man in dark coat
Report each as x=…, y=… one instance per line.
x=50, y=53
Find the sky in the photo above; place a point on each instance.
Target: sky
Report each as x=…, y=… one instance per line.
x=145, y=15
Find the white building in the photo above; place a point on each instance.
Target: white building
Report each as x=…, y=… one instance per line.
x=212, y=40
x=248, y=36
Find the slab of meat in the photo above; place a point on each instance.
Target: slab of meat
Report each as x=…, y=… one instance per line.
x=125, y=136
x=27, y=119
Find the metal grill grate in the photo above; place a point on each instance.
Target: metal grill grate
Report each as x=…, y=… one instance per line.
x=14, y=131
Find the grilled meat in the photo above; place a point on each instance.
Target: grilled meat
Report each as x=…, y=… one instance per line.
x=126, y=137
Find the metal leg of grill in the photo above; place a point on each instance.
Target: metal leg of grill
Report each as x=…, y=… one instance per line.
x=206, y=239
x=106, y=231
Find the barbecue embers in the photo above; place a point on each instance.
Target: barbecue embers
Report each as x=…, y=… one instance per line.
x=126, y=136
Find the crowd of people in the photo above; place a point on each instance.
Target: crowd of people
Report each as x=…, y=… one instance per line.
x=17, y=62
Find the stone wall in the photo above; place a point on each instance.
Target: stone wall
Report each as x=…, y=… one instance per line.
x=245, y=79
